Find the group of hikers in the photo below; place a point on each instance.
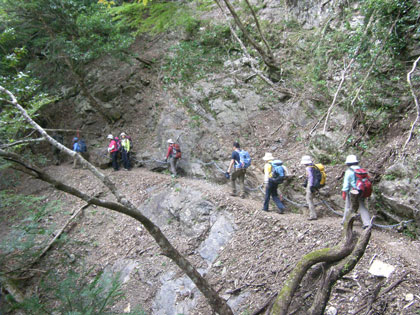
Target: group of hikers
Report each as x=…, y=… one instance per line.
x=121, y=145
x=356, y=181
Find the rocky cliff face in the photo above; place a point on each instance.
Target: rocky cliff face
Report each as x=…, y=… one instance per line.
x=230, y=103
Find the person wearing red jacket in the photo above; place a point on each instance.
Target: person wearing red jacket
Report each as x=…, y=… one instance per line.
x=113, y=150
x=173, y=154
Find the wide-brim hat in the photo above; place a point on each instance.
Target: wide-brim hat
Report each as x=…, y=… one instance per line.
x=306, y=159
x=122, y=134
x=170, y=141
x=351, y=159
x=110, y=137
x=268, y=156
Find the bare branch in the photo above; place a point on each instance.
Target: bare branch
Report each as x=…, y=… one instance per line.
x=9, y=145
x=123, y=205
x=416, y=102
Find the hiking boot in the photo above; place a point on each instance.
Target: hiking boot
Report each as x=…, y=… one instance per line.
x=234, y=194
x=243, y=196
x=280, y=211
x=312, y=218
x=266, y=210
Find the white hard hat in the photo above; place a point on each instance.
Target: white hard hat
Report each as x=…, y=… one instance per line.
x=110, y=137
x=171, y=141
x=306, y=159
x=351, y=159
x=268, y=157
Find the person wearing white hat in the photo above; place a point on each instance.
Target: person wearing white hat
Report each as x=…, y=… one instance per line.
x=271, y=182
x=307, y=161
x=349, y=183
x=125, y=153
x=173, y=154
x=113, y=150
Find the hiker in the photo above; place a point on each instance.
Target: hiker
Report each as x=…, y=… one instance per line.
x=56, y=151
x=309, y=184
x=79, y=146
x=239, y=163
x=113, y=150
x=173, y=154
x=274, y=174
x=350, y=183
x=125, y=153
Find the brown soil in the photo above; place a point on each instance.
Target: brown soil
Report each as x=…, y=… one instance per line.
x=254, y=264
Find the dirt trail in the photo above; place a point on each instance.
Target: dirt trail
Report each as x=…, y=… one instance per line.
x=256, y=261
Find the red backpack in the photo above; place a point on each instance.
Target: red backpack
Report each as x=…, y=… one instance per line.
x=176, y=150
x=363, y=183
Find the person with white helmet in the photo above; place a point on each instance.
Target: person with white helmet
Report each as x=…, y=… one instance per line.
x=274, y=174
x=173, y=154
x=126, y=148
x=310, y=189
x=349, y=183
x=113, y=150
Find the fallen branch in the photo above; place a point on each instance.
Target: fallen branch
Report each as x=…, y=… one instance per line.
x=121, y=205
x=392, y=286
x=328, y=255
x=58, y=234
x=266, y=305
x=9, y=145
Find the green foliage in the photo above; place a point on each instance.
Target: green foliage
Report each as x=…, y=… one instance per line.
x=191, y=60
x=156, y=17
x=79, y=31
x=29, y=232
x=77, y=293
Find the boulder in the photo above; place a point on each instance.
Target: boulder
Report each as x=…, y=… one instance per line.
x=100, y=158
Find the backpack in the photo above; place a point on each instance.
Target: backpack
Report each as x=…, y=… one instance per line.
x=118, y=143
x=320, y=177
x=277, y=171
x=176, y=151
x=131, y=142
x=363, y=183
x=82, y=146
x=245, y=159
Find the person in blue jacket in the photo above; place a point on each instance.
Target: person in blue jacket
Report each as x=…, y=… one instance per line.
x=349, y=184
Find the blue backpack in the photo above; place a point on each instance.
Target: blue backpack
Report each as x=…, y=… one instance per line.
x=245, y=159
x=277, y=171
x=81, y=146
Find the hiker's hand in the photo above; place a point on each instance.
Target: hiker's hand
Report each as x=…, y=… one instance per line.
x=313, y=189
x=166, y=160
x=344, y=195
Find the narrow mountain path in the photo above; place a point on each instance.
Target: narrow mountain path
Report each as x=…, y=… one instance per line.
x=249, y=268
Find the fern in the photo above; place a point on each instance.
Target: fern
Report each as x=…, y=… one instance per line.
x=156, y=18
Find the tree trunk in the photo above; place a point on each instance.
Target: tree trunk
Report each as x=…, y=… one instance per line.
x=123, y=205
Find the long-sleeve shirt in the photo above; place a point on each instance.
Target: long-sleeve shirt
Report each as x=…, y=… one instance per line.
x=309, y=175
x=112, y=147
x=349, y=178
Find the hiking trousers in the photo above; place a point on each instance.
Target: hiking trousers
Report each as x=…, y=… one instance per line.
x=238, y=175
x=172, y=162
x=126, y=159
x=364, y=213
x=114, y=156
x=271, y=190
x=310, y=202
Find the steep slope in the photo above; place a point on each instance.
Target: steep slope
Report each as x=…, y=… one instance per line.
x=245, y=253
